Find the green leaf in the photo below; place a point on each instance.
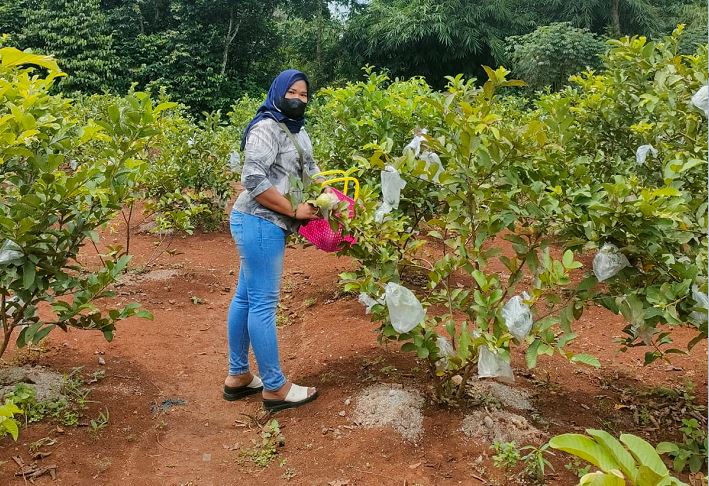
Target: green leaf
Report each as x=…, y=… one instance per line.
x=10, y=425
x=408, y=348
x=532, y=354
x=586, y=359
x=568, y=258
x=616, y=449
x=599, y=478
x=644, y=453
x=585, y=448
x=42, y=333
x=665, y=447
x=28, y=275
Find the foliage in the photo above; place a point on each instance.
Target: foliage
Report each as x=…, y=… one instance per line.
x=535, y=462
x=309, y=40
x=189, y=182
x=271, y=439
x=370, y=111
x=209, y=53
x=550, y=54
x=692, y=451
x=241, y=113
x=496, y=196
x=65, y=409
x=76, y=32
x=8, y=422
x=551, y=181
x=654, y=212
x=431, y=39
x=187, y=179
x=506, y=454
x=612, y=17
x=100, y=422
x=630, y=459
x=48, y=209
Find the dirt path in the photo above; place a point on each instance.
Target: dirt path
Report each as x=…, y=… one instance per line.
x=326, y=341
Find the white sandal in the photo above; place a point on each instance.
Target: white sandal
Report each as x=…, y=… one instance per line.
x=297, y=396
x=232, y=393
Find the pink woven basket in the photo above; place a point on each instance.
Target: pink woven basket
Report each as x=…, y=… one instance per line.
x=319, y=233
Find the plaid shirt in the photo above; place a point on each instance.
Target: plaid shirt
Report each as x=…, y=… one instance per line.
x=270, y=158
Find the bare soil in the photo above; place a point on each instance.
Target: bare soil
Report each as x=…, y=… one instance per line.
x=170, y=426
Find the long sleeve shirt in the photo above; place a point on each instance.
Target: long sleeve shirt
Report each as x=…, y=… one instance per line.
x=270, y=159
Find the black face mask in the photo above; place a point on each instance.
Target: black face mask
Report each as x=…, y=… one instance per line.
x=292, y=107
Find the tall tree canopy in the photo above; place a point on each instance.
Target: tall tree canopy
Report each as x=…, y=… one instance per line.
x=435, y=38
x=77, y=33
x=207, y=53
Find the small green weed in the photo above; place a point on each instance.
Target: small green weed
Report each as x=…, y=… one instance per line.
x=271, y=439
x=99, y=422
x=691, y=451
x=535, y=462
x=506, y=455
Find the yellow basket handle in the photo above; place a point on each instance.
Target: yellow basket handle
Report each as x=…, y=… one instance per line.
x=346, y=180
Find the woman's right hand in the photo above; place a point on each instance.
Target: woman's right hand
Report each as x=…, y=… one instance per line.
x=306, y=211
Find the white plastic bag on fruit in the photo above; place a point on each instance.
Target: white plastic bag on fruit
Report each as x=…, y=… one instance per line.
x=641, y=153
x=432, y=159
x=518, y=316
x=445, y=351
x=235, y=162
x=445, y=348
x=368, y=302
x=381, y=211
x=392, y=184
x=492, y=365
x=701, y=100
x=415, y=143
x=701, y=300
x=608, y=262
x=405, y=310
x=10, y=252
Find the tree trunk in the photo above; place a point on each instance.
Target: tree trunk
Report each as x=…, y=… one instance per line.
x=615, y=16
x=318, y=42
x=228, y=39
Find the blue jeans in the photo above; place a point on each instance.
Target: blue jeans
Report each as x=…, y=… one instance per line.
x=252, y=313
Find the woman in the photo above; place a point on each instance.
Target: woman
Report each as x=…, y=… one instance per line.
x=275, y=148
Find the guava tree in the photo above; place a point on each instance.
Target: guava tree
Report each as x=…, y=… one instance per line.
x=61, y=181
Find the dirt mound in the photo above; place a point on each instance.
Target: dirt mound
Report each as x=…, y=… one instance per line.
x=501, y=426
x=387, y=405
x=47, y=384
x=508, y=396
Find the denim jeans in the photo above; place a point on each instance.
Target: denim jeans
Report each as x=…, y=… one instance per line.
x=252, y=313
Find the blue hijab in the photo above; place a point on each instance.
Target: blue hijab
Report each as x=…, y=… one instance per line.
x=269, y=108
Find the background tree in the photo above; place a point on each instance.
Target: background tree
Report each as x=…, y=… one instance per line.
x=434, y=39
x=209, y=53
x=75, y=31
x=611, y=17
x=550, y=54
x=310, y=40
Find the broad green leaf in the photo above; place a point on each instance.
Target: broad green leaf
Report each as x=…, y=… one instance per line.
x=665, y=447
x=10, y=425
x=586, y=448
x=599, y=478
x=586, y=359
x=616, y=449
x=644, y=453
